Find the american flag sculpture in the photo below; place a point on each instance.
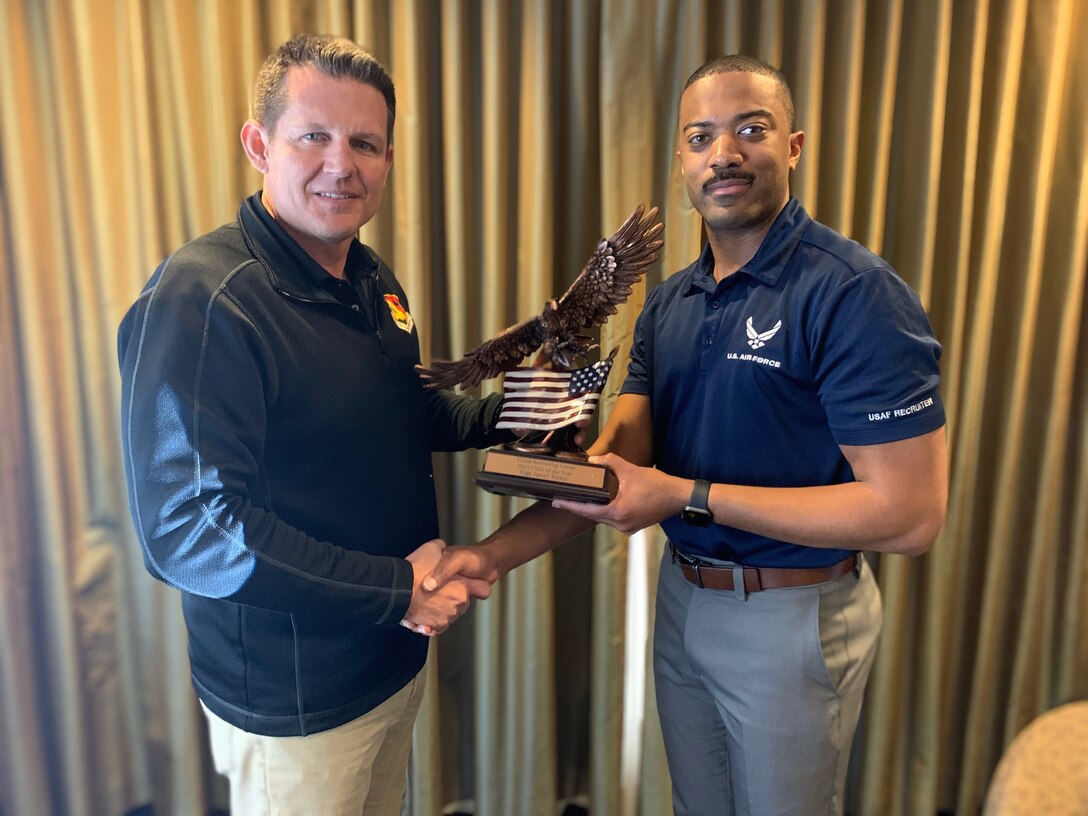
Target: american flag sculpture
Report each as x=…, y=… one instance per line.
x=541, y=400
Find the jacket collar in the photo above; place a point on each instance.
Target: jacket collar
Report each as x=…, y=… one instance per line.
x=290, y=270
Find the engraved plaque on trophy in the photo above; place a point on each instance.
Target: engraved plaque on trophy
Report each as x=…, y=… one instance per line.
x=514, y=473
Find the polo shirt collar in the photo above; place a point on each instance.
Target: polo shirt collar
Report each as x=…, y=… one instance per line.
x=770, y=259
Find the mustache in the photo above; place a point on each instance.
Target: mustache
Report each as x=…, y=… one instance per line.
x=723, y=175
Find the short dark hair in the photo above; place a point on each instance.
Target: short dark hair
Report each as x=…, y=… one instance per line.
x=333, y=56
x=740, y=63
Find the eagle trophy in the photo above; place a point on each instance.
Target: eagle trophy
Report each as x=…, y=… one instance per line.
x=604, y=284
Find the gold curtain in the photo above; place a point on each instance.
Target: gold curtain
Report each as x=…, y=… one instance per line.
x=950, y=136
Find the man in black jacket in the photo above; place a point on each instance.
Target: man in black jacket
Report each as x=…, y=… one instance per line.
x=278, y=451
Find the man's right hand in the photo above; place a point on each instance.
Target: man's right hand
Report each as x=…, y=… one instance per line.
x=431, y=611
x=464, y=563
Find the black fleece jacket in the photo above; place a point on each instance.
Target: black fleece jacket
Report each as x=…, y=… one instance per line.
x=278, y=448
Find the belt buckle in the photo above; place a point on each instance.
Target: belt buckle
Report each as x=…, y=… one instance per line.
x=698, y=576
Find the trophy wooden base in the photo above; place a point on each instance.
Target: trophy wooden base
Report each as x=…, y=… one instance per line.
x=512, y=473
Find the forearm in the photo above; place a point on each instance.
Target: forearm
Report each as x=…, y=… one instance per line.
x=218, y=545
x=533, y=532
x=844, y=516
x=459, y=422
x=897, y=502
x=541, y=528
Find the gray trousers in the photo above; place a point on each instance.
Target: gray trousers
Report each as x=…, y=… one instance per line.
x=759, y=697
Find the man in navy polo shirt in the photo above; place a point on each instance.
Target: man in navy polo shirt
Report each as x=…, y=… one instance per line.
x=781, y=413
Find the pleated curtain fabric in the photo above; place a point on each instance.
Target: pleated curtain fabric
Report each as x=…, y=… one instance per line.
x=949, y=136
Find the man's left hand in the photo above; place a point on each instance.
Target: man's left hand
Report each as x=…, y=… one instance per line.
x=645, y=496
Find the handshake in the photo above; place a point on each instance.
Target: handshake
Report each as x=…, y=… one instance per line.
x=445, y=582
x=448, y=578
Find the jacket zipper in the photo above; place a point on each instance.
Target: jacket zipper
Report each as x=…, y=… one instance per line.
x=331, y=301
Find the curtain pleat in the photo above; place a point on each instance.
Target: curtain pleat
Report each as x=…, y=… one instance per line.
x=951, y=137
x=50, y=382
x=626, y=105
x=24, y=782
x=1069, y=217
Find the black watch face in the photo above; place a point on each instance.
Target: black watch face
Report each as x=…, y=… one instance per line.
x=695, y=516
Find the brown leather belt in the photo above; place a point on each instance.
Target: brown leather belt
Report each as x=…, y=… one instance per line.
x=714, y=576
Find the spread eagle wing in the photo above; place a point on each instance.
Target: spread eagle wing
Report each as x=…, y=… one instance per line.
x=603, y=285
x=607, y=279
x=501, y=353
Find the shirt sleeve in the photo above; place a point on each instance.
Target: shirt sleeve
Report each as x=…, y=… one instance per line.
x=459, y=422
x=875, y=361
x=641, y=363
x=196, y=378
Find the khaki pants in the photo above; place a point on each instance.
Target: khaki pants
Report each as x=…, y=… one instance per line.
x=358, y=768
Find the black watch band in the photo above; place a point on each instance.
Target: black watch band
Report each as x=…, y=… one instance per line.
x=697, y=512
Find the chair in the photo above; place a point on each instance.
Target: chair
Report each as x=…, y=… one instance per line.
x=1045, y=769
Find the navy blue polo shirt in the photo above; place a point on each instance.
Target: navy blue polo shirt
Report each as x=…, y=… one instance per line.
x=758, y=379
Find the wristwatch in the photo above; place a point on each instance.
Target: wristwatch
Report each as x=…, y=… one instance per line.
x=697, y=513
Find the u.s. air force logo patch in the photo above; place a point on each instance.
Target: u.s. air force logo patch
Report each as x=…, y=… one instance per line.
x=758, y=339
x=399, y=313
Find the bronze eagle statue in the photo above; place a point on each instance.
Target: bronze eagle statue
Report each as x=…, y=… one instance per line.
x=603, y=285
